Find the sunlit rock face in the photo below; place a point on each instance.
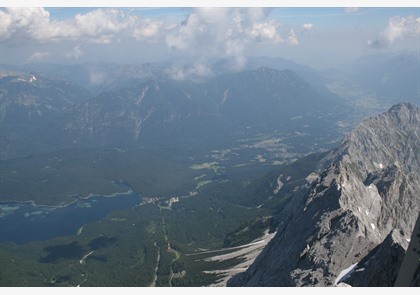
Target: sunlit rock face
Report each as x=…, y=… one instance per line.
x=355, y=224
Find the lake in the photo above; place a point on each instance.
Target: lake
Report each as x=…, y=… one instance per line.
x=24, y=222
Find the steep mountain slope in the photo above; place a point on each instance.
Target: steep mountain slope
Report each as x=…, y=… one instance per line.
x=28, y=100
x=268, y=98
x=314, y=77
x=153, y=113
x=358, y=215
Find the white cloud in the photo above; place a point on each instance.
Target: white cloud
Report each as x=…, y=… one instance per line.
x=351, y=9
x=256, y=13
x=75, y=53
x=398, y=28
x=267, y=31
x=204, y=33
x=177, y=73
x=102, y=25
x=213, y=16
x=23, y=21
x=224, y=33
x=292, y=39
x=184, y=35
x=99, y=26
x=198, y=70
x=147, y=30
x=97, y=77
x=234, y=49
x=38, y=56
x=308, y=26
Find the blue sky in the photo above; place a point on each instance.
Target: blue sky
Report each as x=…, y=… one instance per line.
x=155, y=12
x=319, y=37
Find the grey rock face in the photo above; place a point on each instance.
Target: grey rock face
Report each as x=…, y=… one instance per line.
x=362, y=207
x=374, y=270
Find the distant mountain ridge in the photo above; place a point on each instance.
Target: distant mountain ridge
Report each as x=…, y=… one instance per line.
x=30, y=97
x=378, y=80
x=28, y=101
x=261, y=98
x=169, y=112
x=354, y=225
x=393, y=78
x=105, y=77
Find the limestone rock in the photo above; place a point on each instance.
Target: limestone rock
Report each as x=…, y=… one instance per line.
x=362, y=208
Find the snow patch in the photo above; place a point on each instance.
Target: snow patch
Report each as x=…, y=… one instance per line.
x=345, y=273
x=199, y=177
x=260, y=158
x=209, y=165
x=79, y=231
x=187, y=95
x=247, y=253
x=143, y=94
x=225, y=96
x=202, y=183
x=83, y=260
x=279, y=185
x=296, y=118
x=311, y=177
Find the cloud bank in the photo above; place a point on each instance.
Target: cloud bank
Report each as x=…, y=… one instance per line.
x=398, y=28
x=203, y=34
x=195, y=38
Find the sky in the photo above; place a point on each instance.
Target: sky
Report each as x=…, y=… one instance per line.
x=319, y=37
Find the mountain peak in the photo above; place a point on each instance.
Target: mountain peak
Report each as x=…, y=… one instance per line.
x=387, y=138
x=403, y=106
x=368, y=190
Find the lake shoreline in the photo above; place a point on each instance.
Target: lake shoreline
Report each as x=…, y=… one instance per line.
x=27, y=221
x=76, y=198
x=63, y=205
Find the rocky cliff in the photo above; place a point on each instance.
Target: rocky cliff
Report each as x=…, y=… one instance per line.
x=355, y=224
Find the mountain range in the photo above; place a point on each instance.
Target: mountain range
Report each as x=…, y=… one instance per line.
x=162, y=112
